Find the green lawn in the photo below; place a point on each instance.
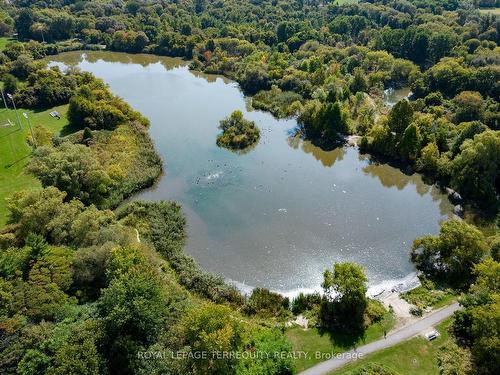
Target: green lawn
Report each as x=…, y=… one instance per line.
x=314, y=342
x=15, y=152
x=4, y=41
x=494, y=11
x=415, y=356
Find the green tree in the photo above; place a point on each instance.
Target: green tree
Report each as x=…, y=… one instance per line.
x=133, y=309
x=345, y=288
x=44, y=297
x=9, y=85
x=199, y=6
x=333, y=120
x=441, y=44
x=380, y=139
x=33, y=362
x=133, y=305
x=39, y=212
x=400, y=116
x=454, y=360
x=80, y=354
x=452, y=255
x=237, y=132
x=358, y=81
x=23, y=22
x=429, y=159
x=409, y=146
x=468, y=131
x=478, y=326
x=212, y=329
x=469, y=106
x=475, y=171
x=73, y=169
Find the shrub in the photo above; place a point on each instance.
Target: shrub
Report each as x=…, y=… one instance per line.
x=374, y=312
x=266, y=303
x=305, y=302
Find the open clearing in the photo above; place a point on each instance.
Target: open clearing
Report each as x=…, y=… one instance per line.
x=15, y=152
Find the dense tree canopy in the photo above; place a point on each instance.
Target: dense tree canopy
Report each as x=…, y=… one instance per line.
x=305, y=58
x=452, y=254
x=79, y=294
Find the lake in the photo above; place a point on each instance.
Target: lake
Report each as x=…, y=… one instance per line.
x=282, y=213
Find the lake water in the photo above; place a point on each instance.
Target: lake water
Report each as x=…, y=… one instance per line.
x=392, y=96
x=282, y=213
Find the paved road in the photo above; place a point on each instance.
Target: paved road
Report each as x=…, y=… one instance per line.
x=392, y=339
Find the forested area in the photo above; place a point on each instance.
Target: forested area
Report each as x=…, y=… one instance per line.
x=326, y=64
x=82, y=293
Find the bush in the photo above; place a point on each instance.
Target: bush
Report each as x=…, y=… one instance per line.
x=73, y=169
x=416, y=311
x=305, y=302
x=372, y=369
x=425, y=295
x=266, y=303
x=280, y=103
x=374, y=312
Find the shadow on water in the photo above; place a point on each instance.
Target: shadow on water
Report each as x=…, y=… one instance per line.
x=241, y=151
x=328, y=156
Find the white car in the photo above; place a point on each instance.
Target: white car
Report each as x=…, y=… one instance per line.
x=431, y=335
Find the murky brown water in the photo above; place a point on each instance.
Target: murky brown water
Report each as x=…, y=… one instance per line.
x=282, y=213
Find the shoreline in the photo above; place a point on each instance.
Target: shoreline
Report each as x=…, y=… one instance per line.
x=379, y=291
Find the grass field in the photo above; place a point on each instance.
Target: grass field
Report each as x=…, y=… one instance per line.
x=415, y=356
x=15, y=152
x=3, y=42
x=312, y=341
x=494, y=11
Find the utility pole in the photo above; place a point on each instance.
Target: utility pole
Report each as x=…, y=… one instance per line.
x=31, y=129
x=15, y=110
x=4, y=101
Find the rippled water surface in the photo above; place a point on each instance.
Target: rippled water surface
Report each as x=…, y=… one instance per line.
x=280, y=214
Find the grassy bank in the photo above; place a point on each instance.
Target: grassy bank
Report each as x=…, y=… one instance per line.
x=15, y=152
x=313, y=341
x=428, y=295
x=4, y=41
x=415, y=356
x=493, y=11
